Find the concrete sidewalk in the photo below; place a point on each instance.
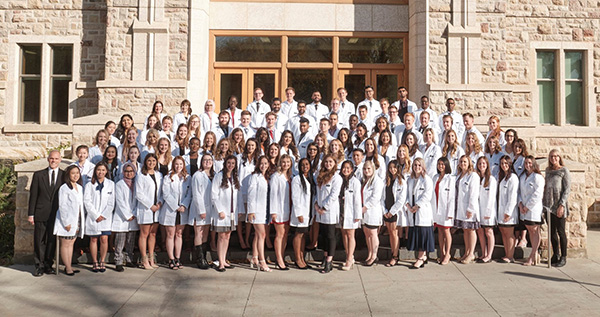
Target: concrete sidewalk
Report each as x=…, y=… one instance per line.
x=482, y=289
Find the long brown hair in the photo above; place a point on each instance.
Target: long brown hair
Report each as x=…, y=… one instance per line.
x=292, y=145
x=450, y=147
x=184, y=172
x=485, y=175
x=234, y=174
x=375, y=157
x=326, y=175
x=476, y=147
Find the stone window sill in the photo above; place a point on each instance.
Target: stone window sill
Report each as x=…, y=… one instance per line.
x=38, y=128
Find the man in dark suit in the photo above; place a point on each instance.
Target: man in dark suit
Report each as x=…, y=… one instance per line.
x=43, y=204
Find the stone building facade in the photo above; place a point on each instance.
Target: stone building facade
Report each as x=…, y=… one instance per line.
x=128, y=53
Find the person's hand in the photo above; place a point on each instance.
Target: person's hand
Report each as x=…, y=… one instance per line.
x=301, y=219
x=203, y=216
x=273, y=217
x=68, y=228
x=100, y=219
x=506, y=217
x=356, y=220
x=31, y=221
x=387, y=215
x=251, y=217
x=181, y=209
x=469, y=214
x=560, y=211
x=449, y=218
x=131, y=219
x=154, y=208
x=364, y=210
x=321, y=211
x=221, y=215
x=486, y=218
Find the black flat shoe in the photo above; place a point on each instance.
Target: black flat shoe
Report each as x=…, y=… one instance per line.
x=285, y=268
x=119, y=268
x=49, y=271
x=69, y=274
x=38, y=272
x=230, y=267
x=220, y=269
x=129, y=264
x=76, y=271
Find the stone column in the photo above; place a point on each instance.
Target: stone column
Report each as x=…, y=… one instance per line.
x=418, y=48
x=198, y=53
x=23, y=230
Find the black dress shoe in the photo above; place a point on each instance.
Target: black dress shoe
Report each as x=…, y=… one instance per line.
x=284, y=268
x=49, y=270
x=119, y=268
x=76, y=271
x=220, y=269
x=129, y=264
x=69, y=274
x=38, y=272
x=562, y=262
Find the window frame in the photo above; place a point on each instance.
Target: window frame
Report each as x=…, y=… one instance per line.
x=588, y=98
x=12, y=118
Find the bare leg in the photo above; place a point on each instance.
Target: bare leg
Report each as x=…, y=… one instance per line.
x=178, y=240
x=534, y=234
x=152, y=243
x=279, y=237
x=103, y=248
x=247, y=233
x=222, y=245
x=482, y=243
x=66, y=253
x=170, y=241
x=314, y=235
x=94, y=249
x=491, y=242
x=508, y=240
x=259, y=240
x=142, y=243
x=447, y=245
x=394, y=241
x=367, y=233
x=240, y=234
x=268, y=236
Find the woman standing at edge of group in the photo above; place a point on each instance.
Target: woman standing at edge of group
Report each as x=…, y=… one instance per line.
x=372, y=191
x=225, y=187
x=556, y=195
x=149, y=197
x=329, y=184
x=395, y=201
x=445, y=208
x=508, y=214
x=303, y=191
x=420, y=191
x=467, y=206
x=257, y=212
x=201, y=209
x=531, y=191
x=70, y=217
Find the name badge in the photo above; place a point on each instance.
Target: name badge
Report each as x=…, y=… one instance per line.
x=488, y=189
x=421, y=188
x=351, y=191
x=447, y=189
x=328, y=185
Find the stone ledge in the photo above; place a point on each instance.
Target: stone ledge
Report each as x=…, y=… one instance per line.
x=484, y=87
x=39, y=164
x=124, y=84
x=38, y=128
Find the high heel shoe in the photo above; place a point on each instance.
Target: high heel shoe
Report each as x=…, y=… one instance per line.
x=144, y=265
x=95, y=268
x=254, y=263
x=419, y=266
x=306, y=267
x=348, y=266
x=263, y=268
x=102, y=267
x=173, y=265
x=328, y=267
x=282, y=268
x=374, y=262
x=392, y=262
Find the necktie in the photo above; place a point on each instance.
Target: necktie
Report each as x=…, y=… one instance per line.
x=370, y=104
x=393, y=126
x=233, y=117
x=231, y=184
x=53, y=181
x=246, y=130
x=301, y=137
x=271, y=133
x=257, y=106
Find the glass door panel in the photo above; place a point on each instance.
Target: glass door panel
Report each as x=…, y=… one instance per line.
x=231, y=85
x=306, y=81
x=268, y=82
x=386, y=87
x=355, y=80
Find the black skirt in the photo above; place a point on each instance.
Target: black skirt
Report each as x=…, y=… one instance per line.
x=421, y=239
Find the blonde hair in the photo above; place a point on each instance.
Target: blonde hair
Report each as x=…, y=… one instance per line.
x=422, y=163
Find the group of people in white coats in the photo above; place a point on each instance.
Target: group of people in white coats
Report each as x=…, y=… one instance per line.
x=343, y=176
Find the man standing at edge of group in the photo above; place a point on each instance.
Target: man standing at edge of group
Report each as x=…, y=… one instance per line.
x=403, y=104
x=43, y=204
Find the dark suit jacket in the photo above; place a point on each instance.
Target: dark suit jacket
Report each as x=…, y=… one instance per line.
x=43, y=202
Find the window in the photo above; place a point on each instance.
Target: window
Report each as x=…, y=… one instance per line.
x=561, y=94
x=32, y=81
x=248, y=49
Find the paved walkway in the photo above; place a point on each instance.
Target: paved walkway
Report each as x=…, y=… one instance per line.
x=476, y=289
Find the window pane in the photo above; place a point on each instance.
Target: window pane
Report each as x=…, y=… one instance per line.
x=547, y=101
x=248, y=49
x=573, y=62
x=30, y=100
x=231, y=85
x=545, y=64
x=310, y=49
x=62, y=60
x=60, y=100
x=574, y=102
x=387, y=85
x=355, y=85
x=371, y=50
x=31, y=63
x=306, y=81
x=267, y=83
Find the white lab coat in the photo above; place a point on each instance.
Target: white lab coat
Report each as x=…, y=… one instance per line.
x=328, y=199
x=176, y=192
x=220, y=133
x=453, y=159
x=257, y=198
x=144, y=194
x=99, y=203
x=70, y=211
x=224, y=200
x=179, y=118
x=519, y=165
x=508, y=194
x=531, y=191
x=487, y=202
x=399, y=206
x=95, y=154
x=431, y=155
x=245, y=170
x=390, y=154
x=201, y=202
x=280, y=197
x=444, y=203
x=209, y=123
x=352, y=205
x=373, y=200
x=468, y=197
x=125, y=208
x=258, y=115
x=420, y=192
x=494, y=160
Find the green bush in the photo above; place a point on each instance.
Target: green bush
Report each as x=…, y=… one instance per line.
x=8, y=182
